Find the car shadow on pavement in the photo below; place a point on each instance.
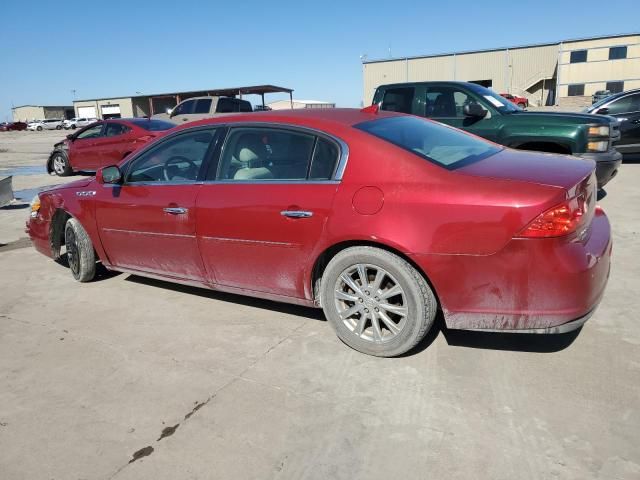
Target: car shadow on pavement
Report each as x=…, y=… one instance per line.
x=286, y=308
x=517, y=342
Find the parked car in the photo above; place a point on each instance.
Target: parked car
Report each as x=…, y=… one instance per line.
x=522, y=102
x=204, y=107
x=381, y=219
x=78, y=122
x=47, y=124
x=102, y=143
x=481, y=111
x=600, y=95
x=8, y=126
x=625, y=107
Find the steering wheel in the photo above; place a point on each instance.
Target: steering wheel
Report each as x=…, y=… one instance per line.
x=174, y=160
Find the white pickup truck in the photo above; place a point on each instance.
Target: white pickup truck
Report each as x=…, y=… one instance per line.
x=204, y=107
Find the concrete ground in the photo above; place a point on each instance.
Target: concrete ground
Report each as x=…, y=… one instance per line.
x=129, y=378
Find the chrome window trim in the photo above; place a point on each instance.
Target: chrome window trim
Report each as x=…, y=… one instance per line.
x=338, y=174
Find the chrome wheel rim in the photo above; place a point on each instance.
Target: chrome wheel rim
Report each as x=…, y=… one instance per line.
x=371, y=303
x=73, y=255
x=58, y=164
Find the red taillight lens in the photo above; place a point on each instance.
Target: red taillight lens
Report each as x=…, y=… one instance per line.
x=560, y=220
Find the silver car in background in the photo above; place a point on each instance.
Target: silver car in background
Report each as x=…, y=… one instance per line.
x=48, y=124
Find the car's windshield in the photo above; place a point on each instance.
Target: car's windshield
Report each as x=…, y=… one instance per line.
x=153, y=125
x=445, y=146
x=498, y=102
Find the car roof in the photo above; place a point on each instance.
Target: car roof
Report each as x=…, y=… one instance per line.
x=622, y=94
x=318, y=117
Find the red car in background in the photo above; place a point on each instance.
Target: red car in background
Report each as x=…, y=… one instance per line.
x=379, y=218
x=9, y=126
x=103, y=143
x=522, y=102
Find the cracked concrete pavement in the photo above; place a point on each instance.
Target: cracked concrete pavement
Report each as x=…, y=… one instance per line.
x=130, y=378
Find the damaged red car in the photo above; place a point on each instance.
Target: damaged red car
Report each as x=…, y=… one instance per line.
x=103, y=143
x=380, y=219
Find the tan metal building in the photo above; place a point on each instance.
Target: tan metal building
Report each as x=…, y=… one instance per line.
x=27, y=113
x=287, y=104
x=565, y=73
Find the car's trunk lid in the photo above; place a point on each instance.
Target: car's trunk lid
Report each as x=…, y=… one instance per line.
x=561, y=171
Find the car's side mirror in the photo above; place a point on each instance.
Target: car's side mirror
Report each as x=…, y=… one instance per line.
x=110, y=175
x=71, y=137
x=170, y=112
x=603, y=111
x=474, y=110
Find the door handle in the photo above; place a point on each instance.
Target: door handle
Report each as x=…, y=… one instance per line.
x=175, y=210
x=296, y=213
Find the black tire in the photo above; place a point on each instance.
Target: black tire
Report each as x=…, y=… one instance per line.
x=73, y=127
x=39, y=129
x=419, y=301
x=59, y=164
x=59, y=127
x=80, y=253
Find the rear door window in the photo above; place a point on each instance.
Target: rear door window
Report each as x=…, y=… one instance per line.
x=262, y=154
x=226, y=105
x=398, y=99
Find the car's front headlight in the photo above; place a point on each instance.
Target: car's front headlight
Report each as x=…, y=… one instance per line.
x=599, y=131
x=597, y=146
x=35, y=206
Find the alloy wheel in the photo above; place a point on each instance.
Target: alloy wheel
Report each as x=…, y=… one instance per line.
x=59, y=164
x=371, y=302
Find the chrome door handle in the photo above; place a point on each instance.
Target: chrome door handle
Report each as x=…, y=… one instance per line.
x=175, y=210
x=296, y=213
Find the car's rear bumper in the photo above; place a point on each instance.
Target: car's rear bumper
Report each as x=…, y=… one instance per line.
x=531, y=285
x=607, y=164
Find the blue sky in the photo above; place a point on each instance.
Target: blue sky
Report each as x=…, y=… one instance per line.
x=112, y=48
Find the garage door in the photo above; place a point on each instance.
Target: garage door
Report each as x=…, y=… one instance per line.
x=88, y=112
x=110, y=109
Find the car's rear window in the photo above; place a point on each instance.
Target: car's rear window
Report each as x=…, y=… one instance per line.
x=432, y=141
x=153, y=125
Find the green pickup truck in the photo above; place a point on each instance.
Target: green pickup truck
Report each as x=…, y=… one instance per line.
x=483, y=112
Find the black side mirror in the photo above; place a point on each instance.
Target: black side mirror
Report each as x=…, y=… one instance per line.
x=603, y=111
x=71, y=137
x=474, y=110
x=111, y=174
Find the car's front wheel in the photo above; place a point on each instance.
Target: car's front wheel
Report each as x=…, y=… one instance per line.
x=39, y=129
x=80, y=254
x=59, y=127
x=60, y=165
x=376, y=302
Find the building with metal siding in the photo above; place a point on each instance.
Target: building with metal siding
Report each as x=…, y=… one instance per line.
x=26, y=113
x=541, y=72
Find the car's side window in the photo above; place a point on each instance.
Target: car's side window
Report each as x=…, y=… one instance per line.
x=266, y=154
x=226, y=105
x=446, y=102
x=203, y=105
x=398, y=99
x=324, y=161
x=91, y=132
x=628, y=104
x=184, y=108
x=115, y=129
x=177, y=159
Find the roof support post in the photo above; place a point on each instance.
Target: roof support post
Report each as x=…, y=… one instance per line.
x=150, y=106
x=291, y=99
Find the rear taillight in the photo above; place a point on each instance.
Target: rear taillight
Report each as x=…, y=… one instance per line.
x=560, y=220
x=567, y=217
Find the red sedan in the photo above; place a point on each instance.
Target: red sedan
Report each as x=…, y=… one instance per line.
x=9, y=126
x=103, y=143
x=379, y=218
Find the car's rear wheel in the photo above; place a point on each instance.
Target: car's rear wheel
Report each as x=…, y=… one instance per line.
x=376, y=302
x=80, y=254
x=60, y=165
x=39, y=129
x=59, y=127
